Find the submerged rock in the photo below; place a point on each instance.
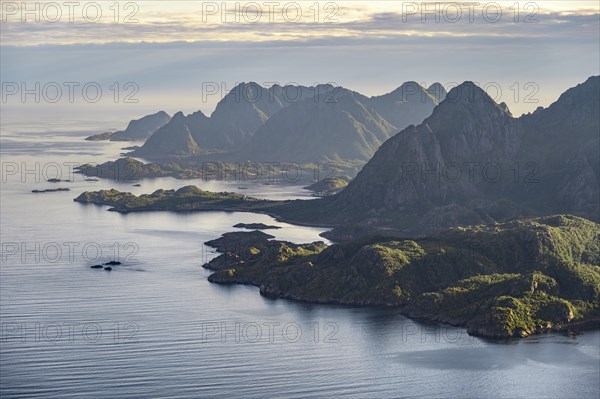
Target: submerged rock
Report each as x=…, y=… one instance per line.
x=113, y=263
x=51, y=190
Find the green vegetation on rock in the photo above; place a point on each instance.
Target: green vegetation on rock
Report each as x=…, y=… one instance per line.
x=187, y=198
x=129, y=169
x=512, y=279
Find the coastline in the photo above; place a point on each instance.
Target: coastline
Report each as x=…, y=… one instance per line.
x=576, y=326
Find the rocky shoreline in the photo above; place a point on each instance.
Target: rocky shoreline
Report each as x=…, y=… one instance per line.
x=494, y=298
x=190, y=199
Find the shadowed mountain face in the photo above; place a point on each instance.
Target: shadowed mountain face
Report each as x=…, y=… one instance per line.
x=237, y=116
x=472, y=162
x=411, y=168
x=296, y=123
x=342, y=129
x=137, y=129
x=407, y=105
x=341, y=125
x=174, y=138
x=141, y=129
x=242, y=111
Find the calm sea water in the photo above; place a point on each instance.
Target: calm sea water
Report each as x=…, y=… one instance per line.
x=155, y=327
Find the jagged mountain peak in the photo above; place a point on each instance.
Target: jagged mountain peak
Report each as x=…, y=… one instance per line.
x=574, y=116
x=404, y=183
x=173, y=138
x=248, y=92
x=468, y=92
x=325, y=86
x=243, y=85
x=197, y=115
x=408, y=89
x=408, y=104
x=582, y=92
x=178, y=116
x=338, y=125
x=504, y=106
x=470, y=99
x=141, y=129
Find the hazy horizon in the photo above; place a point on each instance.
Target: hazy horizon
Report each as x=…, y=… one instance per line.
x=171, y=52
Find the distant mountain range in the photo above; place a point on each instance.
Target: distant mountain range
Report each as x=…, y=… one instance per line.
x=472, y=162
x=293, y=124
x=137, y=129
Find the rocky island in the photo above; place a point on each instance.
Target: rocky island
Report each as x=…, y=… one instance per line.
x=192, y=199
x=51, y=190
x=129, y=169
x=188, y=198
x=255, y=226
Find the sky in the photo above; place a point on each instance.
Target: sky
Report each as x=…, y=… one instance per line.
x=127, y=59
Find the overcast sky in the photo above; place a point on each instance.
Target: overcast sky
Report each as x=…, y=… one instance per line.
x=172, y=51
